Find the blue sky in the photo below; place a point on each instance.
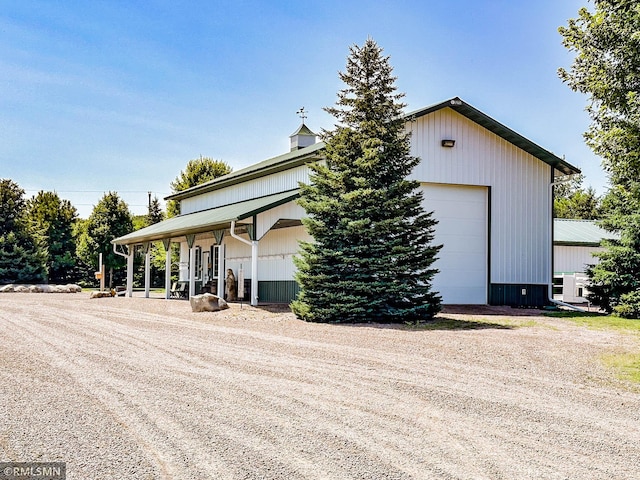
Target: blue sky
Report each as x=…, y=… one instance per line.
x=100, y=96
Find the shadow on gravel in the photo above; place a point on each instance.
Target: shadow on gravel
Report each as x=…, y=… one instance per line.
x=443, y=323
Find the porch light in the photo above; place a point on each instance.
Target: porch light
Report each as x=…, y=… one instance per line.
x=448, y=143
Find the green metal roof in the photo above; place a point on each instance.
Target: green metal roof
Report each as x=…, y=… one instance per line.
x=501, y=130
x=206, y=220
x=579, y=232
x=303, y=130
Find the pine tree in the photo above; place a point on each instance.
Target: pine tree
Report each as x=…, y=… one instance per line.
x=51, y=219
x=22, y=257
x=372, y=254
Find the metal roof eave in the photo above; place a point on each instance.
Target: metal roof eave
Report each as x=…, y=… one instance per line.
x=206, y=220
x=501, y=130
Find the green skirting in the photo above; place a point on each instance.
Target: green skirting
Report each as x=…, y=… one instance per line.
x=277, y=291
x=519, y=294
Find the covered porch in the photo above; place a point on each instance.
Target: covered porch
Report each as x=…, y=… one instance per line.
x=245, y=223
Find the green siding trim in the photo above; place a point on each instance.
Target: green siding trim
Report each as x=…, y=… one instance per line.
x=277, y=291
x=511, y=294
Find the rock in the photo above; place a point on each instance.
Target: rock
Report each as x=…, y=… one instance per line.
x=101, y=294
x=7, y=288
x=207, y=302
x=21, y=289
x=35, y=289
x=73, y=288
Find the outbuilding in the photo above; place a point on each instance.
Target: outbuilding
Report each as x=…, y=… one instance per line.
x=574, y=243
x=489, y=187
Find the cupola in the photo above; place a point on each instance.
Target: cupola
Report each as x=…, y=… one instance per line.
x=303, y=136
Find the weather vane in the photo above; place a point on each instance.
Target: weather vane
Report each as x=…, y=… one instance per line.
x=302, y=113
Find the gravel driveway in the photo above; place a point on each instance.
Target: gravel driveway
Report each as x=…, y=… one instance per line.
x=138, y=388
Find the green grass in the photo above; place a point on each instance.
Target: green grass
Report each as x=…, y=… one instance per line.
x=626, y=365
x=599, y=321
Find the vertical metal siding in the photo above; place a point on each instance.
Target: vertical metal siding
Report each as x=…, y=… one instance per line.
x=259, y=187
x=572, y=259
x=520, y=227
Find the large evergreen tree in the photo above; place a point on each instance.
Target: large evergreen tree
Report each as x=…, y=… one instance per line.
x=52, y=219
x=22, y=257
x=372, y=254
x=607, y=69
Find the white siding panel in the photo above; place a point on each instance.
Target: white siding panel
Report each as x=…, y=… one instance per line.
x=572, y=259
x=259, y=187
x=520, y=200
x=275, y=253
x=266, y=220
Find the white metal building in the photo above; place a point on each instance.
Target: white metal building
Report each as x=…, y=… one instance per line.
x=489, y=188
x=574, y=243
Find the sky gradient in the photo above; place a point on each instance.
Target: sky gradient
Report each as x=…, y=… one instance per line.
x=99, y=96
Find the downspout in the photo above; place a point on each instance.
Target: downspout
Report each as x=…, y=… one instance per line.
x=550, y=292
x=129, y=267
x=254, y=263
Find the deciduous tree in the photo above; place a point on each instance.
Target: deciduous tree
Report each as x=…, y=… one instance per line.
x=109, y=219
x=197, y=172
x=606, y=68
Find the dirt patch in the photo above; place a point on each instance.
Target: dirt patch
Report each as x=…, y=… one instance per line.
x=143, y=388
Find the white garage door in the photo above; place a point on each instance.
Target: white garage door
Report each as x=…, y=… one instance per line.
x=461, y=212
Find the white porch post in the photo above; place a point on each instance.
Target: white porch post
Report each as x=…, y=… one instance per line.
x=254, y=273
x=147, y=268
x=219, y=235
x=192, y=264
x=254, y=258
x=130, y=251
x=167, y=268
x=221, y=273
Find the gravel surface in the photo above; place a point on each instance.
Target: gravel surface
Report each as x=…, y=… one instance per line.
x=124, y=388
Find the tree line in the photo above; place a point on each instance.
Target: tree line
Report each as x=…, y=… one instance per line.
x=43, y=240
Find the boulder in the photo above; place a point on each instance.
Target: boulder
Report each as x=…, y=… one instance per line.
x=44, y=288
x=102, y=294
x=207, y=302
